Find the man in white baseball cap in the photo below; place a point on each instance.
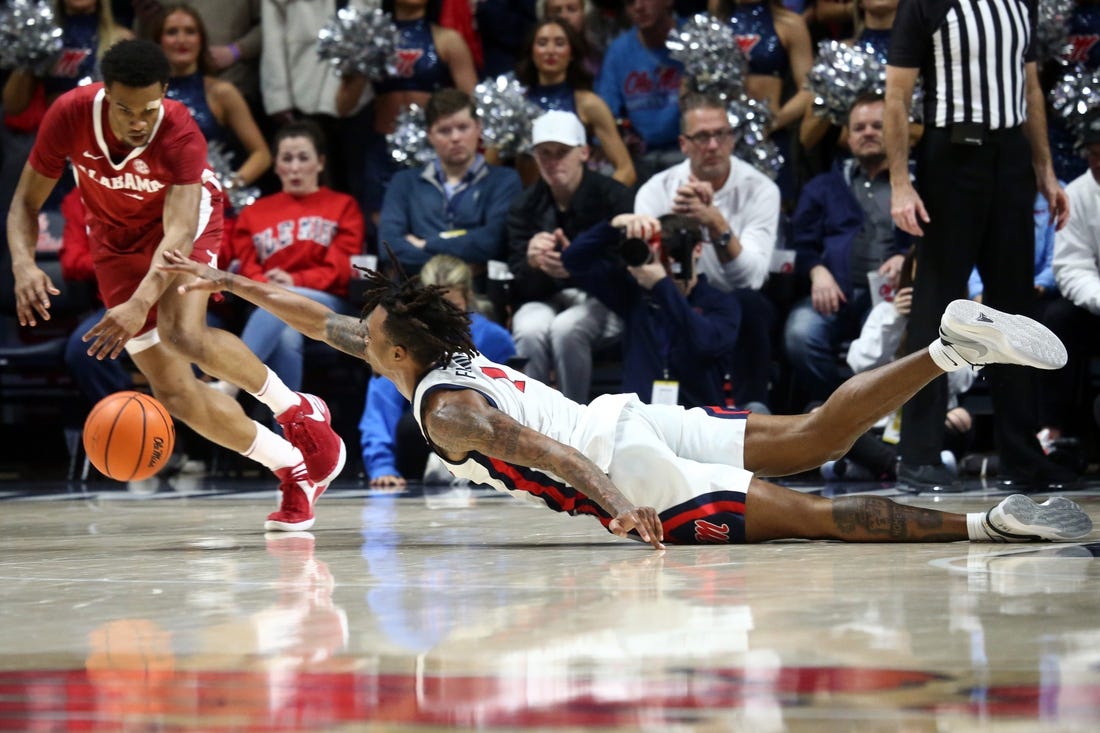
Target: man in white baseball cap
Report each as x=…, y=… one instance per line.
x=556, y=326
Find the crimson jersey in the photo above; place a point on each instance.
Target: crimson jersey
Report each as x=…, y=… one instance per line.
x=124, y=199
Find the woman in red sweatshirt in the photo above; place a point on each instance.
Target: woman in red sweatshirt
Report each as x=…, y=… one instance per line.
x=302, y=238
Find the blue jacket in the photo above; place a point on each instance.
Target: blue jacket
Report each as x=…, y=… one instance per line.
x=471, y=226
x=693, y=337
x=385, y=405
x=826, y=222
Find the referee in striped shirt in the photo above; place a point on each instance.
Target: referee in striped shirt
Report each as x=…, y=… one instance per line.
x=983, y=153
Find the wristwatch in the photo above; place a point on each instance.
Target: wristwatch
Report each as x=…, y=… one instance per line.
x=722, y=240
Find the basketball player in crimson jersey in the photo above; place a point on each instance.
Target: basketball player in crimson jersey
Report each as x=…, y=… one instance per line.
x=662, y=472
x=140, y=163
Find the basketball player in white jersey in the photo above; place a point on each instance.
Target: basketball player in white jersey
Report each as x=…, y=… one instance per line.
x=662, y=473
x=140, y=163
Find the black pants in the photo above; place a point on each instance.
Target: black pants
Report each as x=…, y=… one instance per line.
x=980, y=200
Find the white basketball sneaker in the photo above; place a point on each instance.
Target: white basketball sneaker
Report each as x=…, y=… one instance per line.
x=1019, y=519
x=982, y=335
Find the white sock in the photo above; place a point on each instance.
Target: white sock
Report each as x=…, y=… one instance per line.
x=272, y=450
x=276, y=395
x=945, y=356
x=975, y=527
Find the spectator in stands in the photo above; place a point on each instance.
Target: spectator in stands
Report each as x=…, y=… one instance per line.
x=842, y=230
x=503, y=25
x=640, y=81
x=738, y=207
x=430, y=58
x=232, y=30
x=874, y=455
x=577, y=14
x=551, y=70
x=874, y=20
x=1075, y=316
x=457, y=204
x=679, y=332
x=780, y=56
x=217, y=106
x=88, y=30
x=393, y=447
x=302, y=239
x=295, y=82
x=557, y=326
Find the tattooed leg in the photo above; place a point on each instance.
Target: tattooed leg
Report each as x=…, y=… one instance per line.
x=776, y=512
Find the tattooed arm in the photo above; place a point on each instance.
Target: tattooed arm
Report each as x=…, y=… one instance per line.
x=461, y=421
x=308, y=317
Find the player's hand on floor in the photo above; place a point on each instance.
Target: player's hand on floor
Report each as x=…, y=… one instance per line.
x=388, y=481
x=33, y=289
x=644, y=519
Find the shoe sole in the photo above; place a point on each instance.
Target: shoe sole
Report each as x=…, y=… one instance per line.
x=274, y=525
x=1018, y=338
x=1056, y=518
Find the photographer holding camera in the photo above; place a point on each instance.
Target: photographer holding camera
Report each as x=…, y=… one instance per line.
x=679, y=332
x=738, y=207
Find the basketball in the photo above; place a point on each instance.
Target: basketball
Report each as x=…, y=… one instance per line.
x=129, y=436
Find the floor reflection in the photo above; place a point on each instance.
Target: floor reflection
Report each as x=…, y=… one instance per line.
x=450, y=609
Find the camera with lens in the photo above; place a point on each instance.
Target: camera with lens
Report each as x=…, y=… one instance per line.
x=672, y=246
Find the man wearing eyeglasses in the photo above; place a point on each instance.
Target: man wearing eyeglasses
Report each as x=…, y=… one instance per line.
x=738, y=207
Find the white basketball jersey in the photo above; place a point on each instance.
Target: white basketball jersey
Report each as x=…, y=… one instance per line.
x=588, y=428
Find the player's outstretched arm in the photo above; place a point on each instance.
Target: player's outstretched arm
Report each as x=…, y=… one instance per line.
x=308, y=317
x=461, y=421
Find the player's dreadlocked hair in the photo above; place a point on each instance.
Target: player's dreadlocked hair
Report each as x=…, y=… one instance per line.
x=418, y=317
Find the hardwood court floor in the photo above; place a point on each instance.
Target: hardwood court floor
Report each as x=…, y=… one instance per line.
x=451, y=608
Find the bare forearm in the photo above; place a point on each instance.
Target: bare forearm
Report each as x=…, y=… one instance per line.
x=896, y=119
x=587, y=477
x=1035, y=129
x=156, y=280
x=254, y=166
x=22, y=231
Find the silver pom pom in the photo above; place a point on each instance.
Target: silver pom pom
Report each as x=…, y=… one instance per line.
x=1077, y=92
x=408, y=142
x=29, y=36
x=840, y=74
x=711, y=57
x=506, y=114
x=750, y=119
x=1052, y=29
x=358, y=41
x=220, y=160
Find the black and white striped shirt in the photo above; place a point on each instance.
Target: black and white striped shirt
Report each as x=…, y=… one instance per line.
x=971, y=55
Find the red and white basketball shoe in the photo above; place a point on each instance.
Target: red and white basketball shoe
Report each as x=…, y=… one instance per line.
x=308, y=427
x=299, y=494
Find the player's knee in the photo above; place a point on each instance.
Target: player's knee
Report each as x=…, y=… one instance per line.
x=187, y=342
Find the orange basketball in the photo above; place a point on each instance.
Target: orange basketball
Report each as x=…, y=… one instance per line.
x=129, y=436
